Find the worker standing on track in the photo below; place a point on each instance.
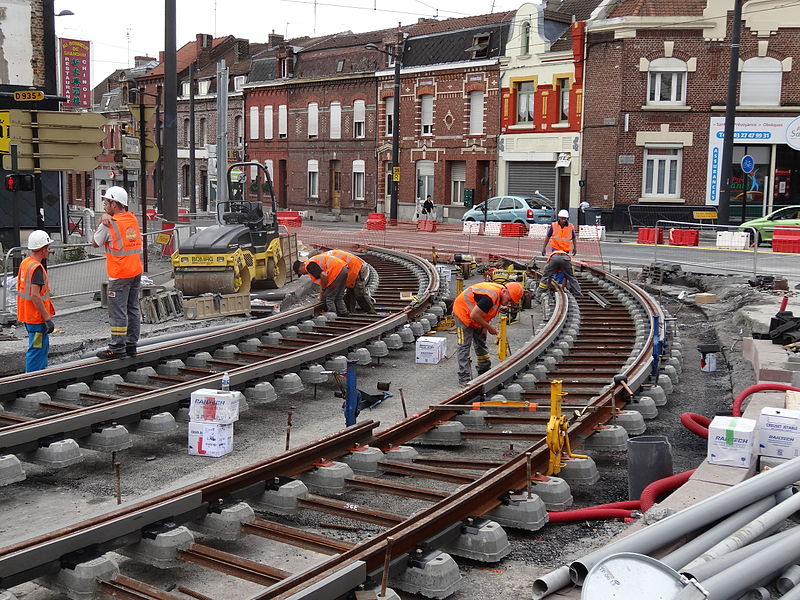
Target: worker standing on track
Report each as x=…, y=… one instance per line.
x=330, y=274
x=473, y=311
x=562, y=240
x=356, y=284
x=121, y=237
x=34, y=307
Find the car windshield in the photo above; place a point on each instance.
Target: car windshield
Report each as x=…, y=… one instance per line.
x=537, y=203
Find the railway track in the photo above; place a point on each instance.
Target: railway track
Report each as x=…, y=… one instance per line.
x=429, y=458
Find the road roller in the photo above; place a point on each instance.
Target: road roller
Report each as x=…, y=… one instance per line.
x=242, y=250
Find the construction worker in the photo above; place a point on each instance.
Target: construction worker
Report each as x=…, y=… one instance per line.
x=119, y=234
x=34, y=308
x=562, y=241
x=330, y=274
x=473, y=311
x=357, y=273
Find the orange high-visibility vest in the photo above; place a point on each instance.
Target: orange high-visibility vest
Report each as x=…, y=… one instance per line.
x=329, y=264
x=464, y=303
x=562, y=237
x=353, y=263
x=26, y=309
x=124, y=248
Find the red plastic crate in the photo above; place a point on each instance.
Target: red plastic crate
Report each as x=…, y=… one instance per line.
x=647, y=235
x=512, y=230
x=684, y=237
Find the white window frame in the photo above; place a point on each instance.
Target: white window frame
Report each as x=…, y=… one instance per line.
x=426, y=114
x=268, y=127
x=387, y=175
x=238, y=131
x=676, y=72
x=336, y=120
x=476, y=112
x=359, y=119
x=761, y=82
x=359, y=180
x=313, y=178
x=254, y=123
x=564, y=87
x=388, y=103
x=185, y=89
x=238, y=82
x=656, y=183
x=203, y=86
x=529, y=101
x=313, y=119
x=457, y=185
x=283, y=121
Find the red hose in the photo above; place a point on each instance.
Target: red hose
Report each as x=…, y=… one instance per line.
x=623, y=504
x=759, y=387
x=696, y=423
x=582, y=514
x=655, y=489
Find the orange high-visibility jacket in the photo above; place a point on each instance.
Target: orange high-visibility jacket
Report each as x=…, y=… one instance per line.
x=329, y=264
x=562, y=237
x=353, y=263
x=124, y=249
x=26, y=309
x=465, y=302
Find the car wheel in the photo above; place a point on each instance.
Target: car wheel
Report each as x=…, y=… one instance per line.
x=755, y=238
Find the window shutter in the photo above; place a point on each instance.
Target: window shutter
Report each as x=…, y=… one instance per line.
x=458, y=170
x=358, y=166
x=253, y=122
x=427, y=110
x=282, y=121
x=389, y=103
x=267, y=122
x=313, y=119
x=336, y=120
x=313, y=165
x=359, y=111
x=761, y=82
x=476, y=113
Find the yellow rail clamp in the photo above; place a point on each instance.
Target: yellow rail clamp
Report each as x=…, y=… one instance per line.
x=557, y=427
x=529, y=406
x=502, y=339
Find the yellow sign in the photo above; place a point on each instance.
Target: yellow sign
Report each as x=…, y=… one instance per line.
x=162, y=239
x=396, y=174
x=5, y=132
x=29, y=96
x=704, y=214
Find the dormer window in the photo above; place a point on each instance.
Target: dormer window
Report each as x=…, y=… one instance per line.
x=203, y=86
x=238, y=82
x=185, y=88
x=480, y=46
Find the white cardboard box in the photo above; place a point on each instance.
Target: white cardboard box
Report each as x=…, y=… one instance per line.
x=731, y=441
x=214, y=406
x=779, y=432
x=207, y=439
x=430, y=350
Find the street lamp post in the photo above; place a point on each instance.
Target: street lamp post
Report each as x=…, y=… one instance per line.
x=397, y=56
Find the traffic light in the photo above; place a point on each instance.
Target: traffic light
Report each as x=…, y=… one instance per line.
x=19, y=182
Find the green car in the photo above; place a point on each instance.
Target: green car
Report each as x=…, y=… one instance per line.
x=786, y=215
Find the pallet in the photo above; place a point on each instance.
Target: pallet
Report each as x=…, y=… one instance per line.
x=161, y=306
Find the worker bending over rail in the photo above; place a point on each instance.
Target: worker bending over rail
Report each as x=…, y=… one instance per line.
x=473, y=311
x=330, y=274
x=562, y=240
x=356, y=284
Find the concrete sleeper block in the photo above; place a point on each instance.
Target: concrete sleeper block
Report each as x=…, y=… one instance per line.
x=161, y=551
x=283, y=500
x=81, y=582
x=227, y=523
x=433, y=575
x=481, y=540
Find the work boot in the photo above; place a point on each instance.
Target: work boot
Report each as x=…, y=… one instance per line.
x=483, y=366
x=109, y=354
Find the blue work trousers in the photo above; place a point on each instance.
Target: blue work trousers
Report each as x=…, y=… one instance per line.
x=38, y=347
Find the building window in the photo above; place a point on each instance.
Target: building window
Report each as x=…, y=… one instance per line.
x=476, y=113
x=458, y=179
x=761, y=82
x=283, y=118
x=313, y=179
x=359, y=180
x=525, y=44
x=662, y=172
x=426, y=110
x=480, y=46
x=666, y=82
x=563, y=100
x=186, y=132
x=525, y=102
x=313, y=119
x=253, y=122
x=336, y=120
x=203, y=87
x=187, y=185
x=267, y=122
x=339, y=66
x=237, y=129
x=359, y=118
x=185, y=89
x=392, y=50
x=424, y=180
x=203, y=132
x=387, y=176
x=389, y=105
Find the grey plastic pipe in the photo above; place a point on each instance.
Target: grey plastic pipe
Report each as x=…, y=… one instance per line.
x=792, y=594
x=694, y=548
x=550, y=582
x=789, y=579
x=690, y=519
x=751, y=531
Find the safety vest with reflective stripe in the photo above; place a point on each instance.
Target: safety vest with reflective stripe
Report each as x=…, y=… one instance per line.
x=557, y=252
x=562, y=237
x=329, y=264
x=26, y=309
x=353, y=263
x=464, y=303
x=124, y=247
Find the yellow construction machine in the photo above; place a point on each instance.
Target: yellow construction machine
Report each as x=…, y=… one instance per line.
x=242, y=250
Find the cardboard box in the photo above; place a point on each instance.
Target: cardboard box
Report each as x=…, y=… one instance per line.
x=731, y=441
x=430, y=350
x=212, y=440
x=705, y=298
x=779, y=432
x=214, y=406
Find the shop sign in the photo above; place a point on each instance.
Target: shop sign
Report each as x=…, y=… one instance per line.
x=793, y=133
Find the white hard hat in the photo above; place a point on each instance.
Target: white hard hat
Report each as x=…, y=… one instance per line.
x=38, y=239
x=117, y=194
x=563, y=213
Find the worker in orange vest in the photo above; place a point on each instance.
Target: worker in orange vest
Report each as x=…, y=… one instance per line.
x=357, y=274
x=34, y=307
x=330, y=274
x=473, y=311
x=562, y=240
x=121, y=237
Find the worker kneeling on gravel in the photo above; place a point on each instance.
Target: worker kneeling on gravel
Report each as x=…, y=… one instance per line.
x=356, y=284
x=330, y=274
x=34, y=307
x=562, y=240
x=473, y=311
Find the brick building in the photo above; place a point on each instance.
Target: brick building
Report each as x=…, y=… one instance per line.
x=656, y=82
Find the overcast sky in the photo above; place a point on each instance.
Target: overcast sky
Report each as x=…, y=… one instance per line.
x=121, y=30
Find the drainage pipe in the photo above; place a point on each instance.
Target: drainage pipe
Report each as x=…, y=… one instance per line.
x=759, y=387
x=792, y=594
x=657, y=535
x=689, y=552
x=582, y=514
x=697, y=424
x=660, y=486
x=550, y=582
x=743, y=536
x=168, y=337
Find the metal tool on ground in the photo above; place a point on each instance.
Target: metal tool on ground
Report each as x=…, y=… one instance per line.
x=622, y=380
x=557, y=427
x=356, y=400
x=503, y=347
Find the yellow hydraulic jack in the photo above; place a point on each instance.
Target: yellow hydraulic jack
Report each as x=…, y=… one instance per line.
x=557, y=426
x=501, y=340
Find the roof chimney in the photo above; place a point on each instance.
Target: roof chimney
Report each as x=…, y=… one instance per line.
x=273, y=39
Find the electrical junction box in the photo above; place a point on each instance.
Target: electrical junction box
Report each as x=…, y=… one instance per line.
x=732, y=441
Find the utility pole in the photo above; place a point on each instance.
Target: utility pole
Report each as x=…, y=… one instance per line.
x=222, y=132
x=143, y=175
x=192, y=191
x=730, y=118
x=170, y=207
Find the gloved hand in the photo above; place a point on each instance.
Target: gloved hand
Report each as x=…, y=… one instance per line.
x=50, y=326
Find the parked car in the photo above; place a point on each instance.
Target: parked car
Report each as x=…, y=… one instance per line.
x=514, y=209
x=764, y=226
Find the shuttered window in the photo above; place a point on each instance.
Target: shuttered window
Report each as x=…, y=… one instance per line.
x=389, y=104
x=761, y=82
x=267, y=122
x=426, y=108
x=253, y=122
x=313, y=119
x=525, y=178
x=282, y=121
x=476, y=113
x=336, y=120
x=359, y=118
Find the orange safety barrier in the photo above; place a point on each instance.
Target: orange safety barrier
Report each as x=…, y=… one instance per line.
x=376, y=222
x=425, y=225
x=786, y=239
x=290, y=218
x=647, y=235
x=684, y=237
x=512, y=230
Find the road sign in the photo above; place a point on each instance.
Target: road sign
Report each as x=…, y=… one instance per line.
x=130, y=146
x=748, y=164
x=29, y=96
x=5, y=132
x=149, y=111
x=395, y=173
x=131, y=164
x=152, y=151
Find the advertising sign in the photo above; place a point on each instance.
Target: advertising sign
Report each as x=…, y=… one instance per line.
x=75, y=73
